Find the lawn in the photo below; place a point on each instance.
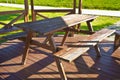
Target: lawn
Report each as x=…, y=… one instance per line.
x=89, y=4
x=99, y=23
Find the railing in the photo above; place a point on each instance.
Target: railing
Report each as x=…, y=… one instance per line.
x=23, y=14
x=69, y=11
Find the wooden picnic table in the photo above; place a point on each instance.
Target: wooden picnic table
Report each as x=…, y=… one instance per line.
x=48, y=27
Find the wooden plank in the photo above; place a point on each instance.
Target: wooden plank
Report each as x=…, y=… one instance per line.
x=26, y=9
x=54, y=10
x=11, y=12
x=21, y=72
x=2, y=23
x=85, y=67
x=80, y=7
x=116, y=53
x=14, y=20
x=4, y=30
x=117, y=40
x=33, y=13
x=73, y=52
x=15, y=36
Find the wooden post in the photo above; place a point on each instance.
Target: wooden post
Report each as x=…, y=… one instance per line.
x=90, y=26
x=79, y=12
x=26, y=17
x=61, y=69
x=27, y=44
x=97, y=50
x=32, y=11
x=74, y=6
x=117, y=40
x=80, y=7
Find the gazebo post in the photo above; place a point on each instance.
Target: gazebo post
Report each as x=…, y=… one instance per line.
x=79, y=12
x=80, y=7
x=26, y=15
x=33, y=13
x=74, y=6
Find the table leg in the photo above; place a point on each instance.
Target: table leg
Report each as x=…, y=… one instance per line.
x=64, y=38
x=52, y=42
x=89, y=26
x=27, y=44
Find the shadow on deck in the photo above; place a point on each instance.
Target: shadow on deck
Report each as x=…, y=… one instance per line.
x=41, y=66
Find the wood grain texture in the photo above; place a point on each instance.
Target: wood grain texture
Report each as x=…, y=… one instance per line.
x=41, y=65
x=77, y=49
x=52, y=25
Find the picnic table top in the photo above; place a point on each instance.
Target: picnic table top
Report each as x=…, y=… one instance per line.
x=51, y=25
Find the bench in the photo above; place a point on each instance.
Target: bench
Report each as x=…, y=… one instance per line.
x=11, y=36
x=71, y=53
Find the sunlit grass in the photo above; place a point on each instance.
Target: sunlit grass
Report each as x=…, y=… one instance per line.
x=99, y=23
x=89, y=4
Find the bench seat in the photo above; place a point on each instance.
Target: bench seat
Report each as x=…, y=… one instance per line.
x=75, y=50
x=14, y=36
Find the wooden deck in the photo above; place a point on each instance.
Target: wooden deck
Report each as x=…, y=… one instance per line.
x=41, y=66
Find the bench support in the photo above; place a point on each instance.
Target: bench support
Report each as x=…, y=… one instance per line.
x=60, y=68
x=90, y=26
x=97, y=50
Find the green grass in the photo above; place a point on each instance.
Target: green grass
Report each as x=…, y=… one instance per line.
x=99, y=23
x=91, y=4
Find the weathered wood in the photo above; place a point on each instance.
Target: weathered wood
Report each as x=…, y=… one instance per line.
x=64, y=38
x=5, y=30
x=54, y=10
x=76, y=50
x=90, y=26
x=97, y=50
x=74, y=6
x=49, y=26
x=15, y=36
x=11, y=12
x=80, y=7
x=33, y=13
x=27, y=44
x=26, y=9
x=86, y=67
x=71, y=11
x=42, y=15
x=13, y=21
x=117, y=40
x=61, y=69
x=2, y=23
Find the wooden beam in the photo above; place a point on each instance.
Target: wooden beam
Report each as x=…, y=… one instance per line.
x=14, y=20
x=2, y=23
x=32, y=10
x=11, y=12
x=26, y=15
x=54, y=10
x=80, y=7
x=74, y=6
x=41, y=15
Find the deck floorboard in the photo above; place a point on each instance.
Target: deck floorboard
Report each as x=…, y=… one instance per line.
x=41, y=66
